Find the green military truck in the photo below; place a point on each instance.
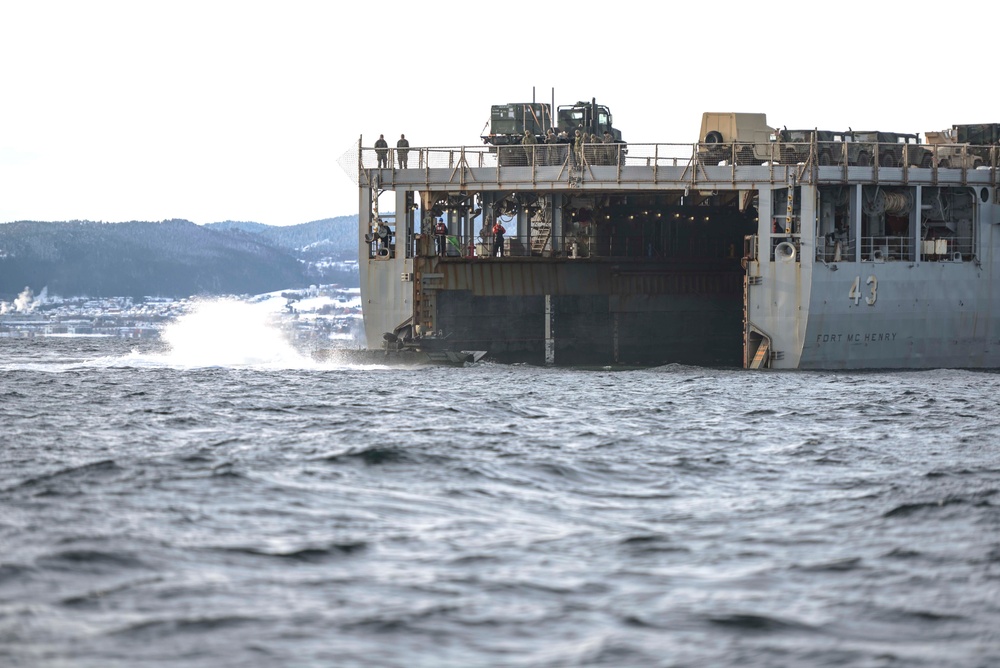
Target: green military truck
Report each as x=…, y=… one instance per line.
x=795, y=146
x=509, y=123
x=983, y=140
x=588, y=117
x=865, y=146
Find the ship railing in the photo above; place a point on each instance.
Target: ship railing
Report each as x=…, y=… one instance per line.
x=952, y=248
x=379, y=249
x=381, y=238
x=835, y=249
x=854, y=154
x=657, y=155
x=583, y=243
x=814, y=153
x=886, y=249
x=947, y=249
x=692, y=158
x=434, y=157
x=534, y=155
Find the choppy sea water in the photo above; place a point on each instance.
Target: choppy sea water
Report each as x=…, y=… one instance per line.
x=159, y=508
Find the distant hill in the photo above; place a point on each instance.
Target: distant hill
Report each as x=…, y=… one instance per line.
x=330, y=237
x=173, y=258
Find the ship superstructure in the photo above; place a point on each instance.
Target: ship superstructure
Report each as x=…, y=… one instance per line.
x=747, y=251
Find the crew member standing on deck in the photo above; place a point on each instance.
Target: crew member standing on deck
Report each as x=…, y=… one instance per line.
x=382, y=151
x=441, y=236
x=610, y=152
x=565, y=147
x=498, y=232
x=529, y=141
x=550, y=149
x=402, y=150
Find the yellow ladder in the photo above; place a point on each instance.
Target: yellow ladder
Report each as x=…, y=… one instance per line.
x=760, y=356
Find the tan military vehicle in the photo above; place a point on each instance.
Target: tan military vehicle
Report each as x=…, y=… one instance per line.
x=944, y=146
x=743, y=137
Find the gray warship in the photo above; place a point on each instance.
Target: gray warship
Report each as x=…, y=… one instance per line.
x=754, y=246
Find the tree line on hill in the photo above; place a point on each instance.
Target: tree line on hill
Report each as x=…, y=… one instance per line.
x=173, y=258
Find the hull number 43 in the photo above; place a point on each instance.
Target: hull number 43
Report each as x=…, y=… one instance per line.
x=856, y=290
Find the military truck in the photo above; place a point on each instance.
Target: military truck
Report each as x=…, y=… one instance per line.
x=587, y=116
x=794, y=146
x=982, y=139
x=743, y=137
x=864, y=145
x=949, y=152
x=508, y=123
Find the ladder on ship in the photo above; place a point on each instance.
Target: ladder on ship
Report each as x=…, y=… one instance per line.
x=540, y=235
x=541, y=231
x=761, y=355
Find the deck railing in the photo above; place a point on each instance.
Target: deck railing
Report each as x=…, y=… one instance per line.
x=891, y=249
x=578, y=244
x=853, y=154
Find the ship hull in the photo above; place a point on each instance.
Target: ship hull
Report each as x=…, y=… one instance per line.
x=935, y=315
x=759, y=266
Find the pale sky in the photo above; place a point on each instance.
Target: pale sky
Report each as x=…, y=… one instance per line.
x=223, y=110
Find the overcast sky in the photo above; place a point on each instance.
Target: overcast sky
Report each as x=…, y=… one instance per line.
x=223, y=110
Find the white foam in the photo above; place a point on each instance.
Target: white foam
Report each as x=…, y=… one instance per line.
x=227, y=332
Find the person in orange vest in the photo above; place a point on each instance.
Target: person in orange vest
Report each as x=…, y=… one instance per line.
x=498, y=232
x=441, y=236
